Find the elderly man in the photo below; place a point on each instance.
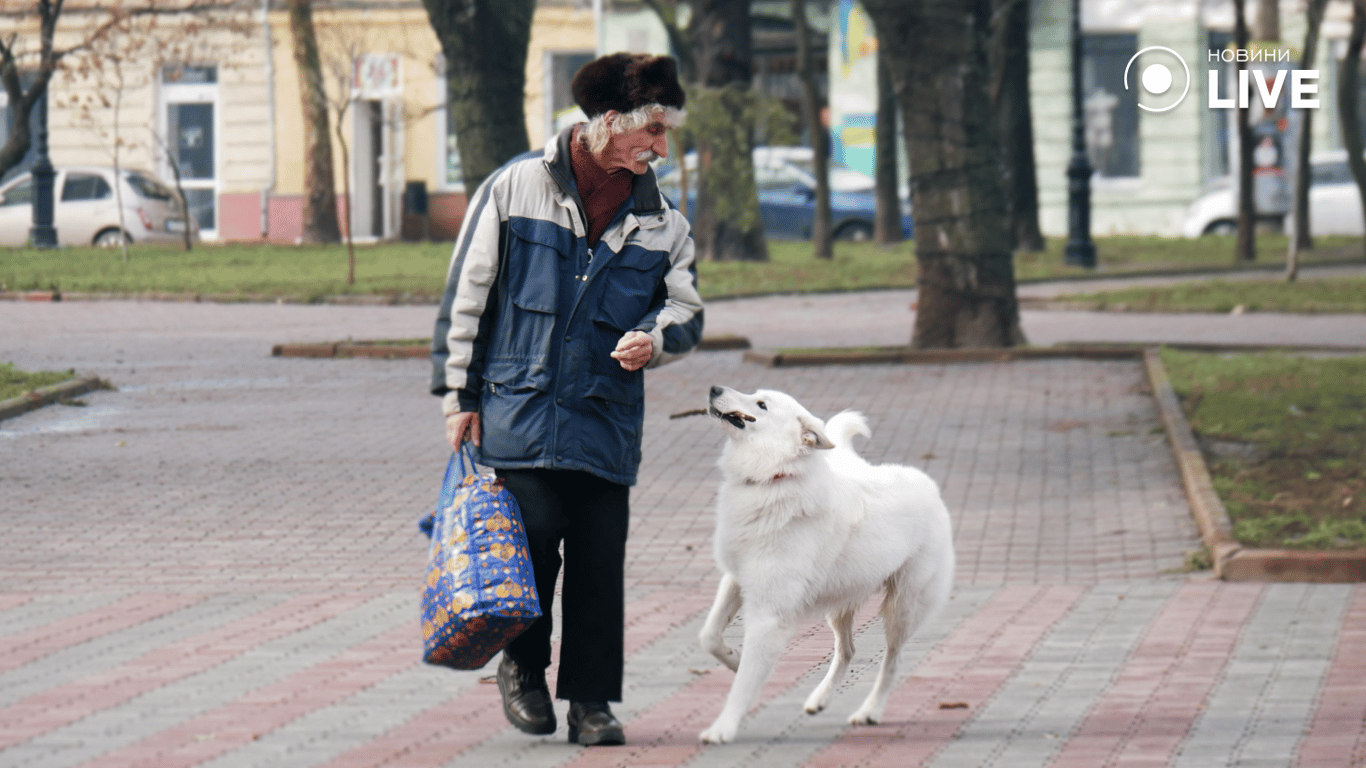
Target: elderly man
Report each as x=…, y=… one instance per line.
x=571, y=274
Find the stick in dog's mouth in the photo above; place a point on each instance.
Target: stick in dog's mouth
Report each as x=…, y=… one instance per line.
x=734, y=418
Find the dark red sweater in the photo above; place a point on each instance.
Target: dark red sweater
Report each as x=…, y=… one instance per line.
x=602, y=193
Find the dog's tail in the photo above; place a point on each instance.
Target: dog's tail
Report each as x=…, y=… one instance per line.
x=842, y=427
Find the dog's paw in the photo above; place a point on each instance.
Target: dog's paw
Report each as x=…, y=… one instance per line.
x=864, y=718
x=731, y=658
x=812, y=709
x=717, y=734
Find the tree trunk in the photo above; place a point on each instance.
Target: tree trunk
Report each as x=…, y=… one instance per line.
x=966, y=280
x=1348, y=87
x=320, y=191
x=1268, y=20
x=1010, y=98
x=485, y=45
x=1246, y=247
x=887, y=197
x=22, y=102
x=812, y=103
x=350, y=234
x=1300, y=239
x=726, y=225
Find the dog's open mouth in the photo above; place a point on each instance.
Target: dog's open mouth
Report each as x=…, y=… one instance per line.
x=734, y=418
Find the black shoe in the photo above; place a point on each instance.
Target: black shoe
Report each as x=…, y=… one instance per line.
x=526, y=698
x=591, y=723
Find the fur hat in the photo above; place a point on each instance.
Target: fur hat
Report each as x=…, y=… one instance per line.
x=626, y=81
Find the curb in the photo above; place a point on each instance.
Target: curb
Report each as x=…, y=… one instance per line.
x=382, y=351
x=1231, y=561
x=53, y=393
x=780, y=359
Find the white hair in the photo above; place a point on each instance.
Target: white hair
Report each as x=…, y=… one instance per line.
x=596, y=132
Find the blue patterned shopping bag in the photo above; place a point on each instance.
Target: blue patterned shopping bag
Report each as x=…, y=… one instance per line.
x=480, y=591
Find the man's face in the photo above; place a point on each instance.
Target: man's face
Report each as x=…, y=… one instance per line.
x=635, y=149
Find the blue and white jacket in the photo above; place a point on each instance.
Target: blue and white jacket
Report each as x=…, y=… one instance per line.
x=531, y=315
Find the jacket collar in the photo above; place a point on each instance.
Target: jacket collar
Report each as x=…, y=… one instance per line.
x=645, y=196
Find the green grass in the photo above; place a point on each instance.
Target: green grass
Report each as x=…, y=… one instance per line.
x=299, y=273
x=1293, y=428
x=1305, y=296
x=14, y=382
x=418, y=270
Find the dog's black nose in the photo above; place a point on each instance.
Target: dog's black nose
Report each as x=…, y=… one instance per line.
x=716, y=391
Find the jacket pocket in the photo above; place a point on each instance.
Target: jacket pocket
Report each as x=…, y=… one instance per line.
x=626, y=389
x=530, y=284
x=631, y=288
x=515, y=415
x=532, y=262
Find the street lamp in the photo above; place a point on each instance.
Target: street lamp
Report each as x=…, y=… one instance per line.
x=43, y=234
x=1080, y=250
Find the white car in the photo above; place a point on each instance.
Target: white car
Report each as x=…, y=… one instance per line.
x=1334, y=203
x=85, y=210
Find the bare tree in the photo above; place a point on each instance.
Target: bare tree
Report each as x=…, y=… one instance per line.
x=812, y=103
x=320, y=223
x=1300, y=239
x=1246, y=246
x=726, y=224
x=1009, y=56
x=21, y=53
x=886, y=191
x=108, y=67
x=715, y=60
x=937, y=50
x=485, y=44
x=1348, y=89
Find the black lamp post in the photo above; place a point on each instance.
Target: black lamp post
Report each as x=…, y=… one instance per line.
x=1080, y=250
x=43, y=234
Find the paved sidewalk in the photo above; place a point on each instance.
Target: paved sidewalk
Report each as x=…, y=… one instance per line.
x=218, y=564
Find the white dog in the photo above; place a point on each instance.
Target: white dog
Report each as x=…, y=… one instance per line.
x=805, y=526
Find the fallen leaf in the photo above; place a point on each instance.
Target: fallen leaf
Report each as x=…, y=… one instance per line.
x=953, y=705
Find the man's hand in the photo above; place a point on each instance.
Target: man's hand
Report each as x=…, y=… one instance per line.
x=634, y=350
x=458, y=424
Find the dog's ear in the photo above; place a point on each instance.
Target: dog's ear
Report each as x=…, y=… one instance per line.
x=813, y=433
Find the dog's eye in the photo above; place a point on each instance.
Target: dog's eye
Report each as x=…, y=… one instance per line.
x=761, y=405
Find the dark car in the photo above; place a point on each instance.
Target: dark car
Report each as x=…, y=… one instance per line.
x=786, y=182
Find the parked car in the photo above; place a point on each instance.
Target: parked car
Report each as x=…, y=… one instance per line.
x=85, y=208
x=786, y=182
x=1334, y=203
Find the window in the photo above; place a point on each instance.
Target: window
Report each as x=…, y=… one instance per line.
x=189, y=95
x=1111, y=111
x=19, y=194
x=563, y=110
x=148, y=187
x=189, y=74
x=85, y=186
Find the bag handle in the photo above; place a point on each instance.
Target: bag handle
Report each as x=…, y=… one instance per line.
x=467, y=467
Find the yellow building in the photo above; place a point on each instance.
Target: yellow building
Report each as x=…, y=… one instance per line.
x=223, y=101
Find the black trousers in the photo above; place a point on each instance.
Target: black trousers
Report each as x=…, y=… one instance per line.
x=591, y=516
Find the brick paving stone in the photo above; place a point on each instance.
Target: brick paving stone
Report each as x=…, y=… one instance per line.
x=218, y=562
x=1281, y=659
